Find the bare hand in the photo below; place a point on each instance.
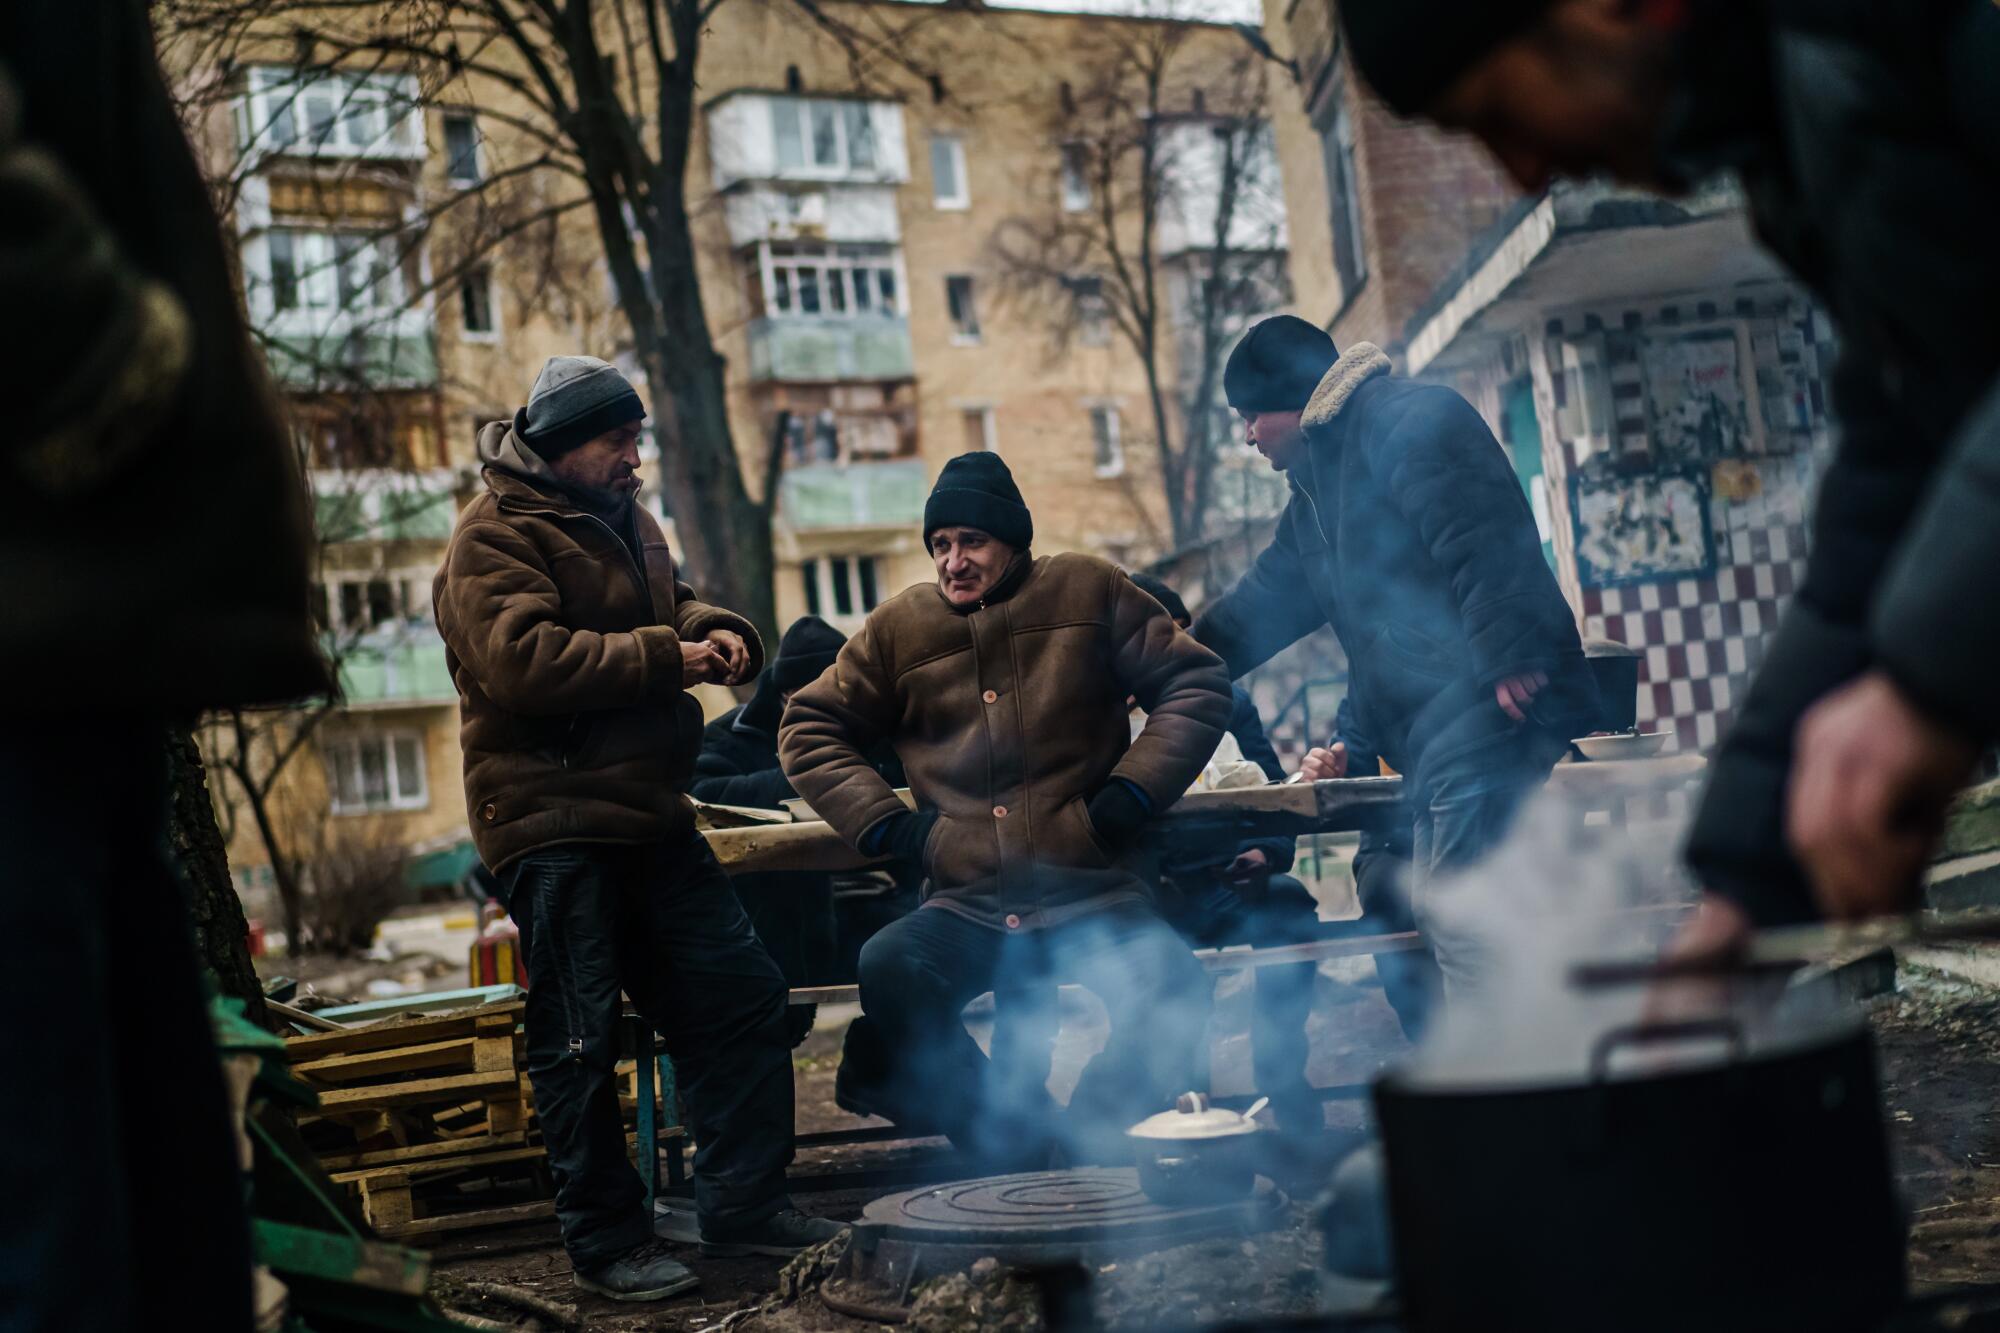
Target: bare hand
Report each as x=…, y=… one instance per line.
x=1515, y=693
x=1716, y=931
x=735, y=654
x=1248, y=865
x=702, y=665
x=1871, y=777
x=1323, y=764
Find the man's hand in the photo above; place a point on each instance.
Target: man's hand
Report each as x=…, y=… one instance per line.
x=1717, y=930
x=1515, y=693
x=1323, y=764
x=1253, y=864
x=735, y=655
x=1871, y=776
x=702, y=665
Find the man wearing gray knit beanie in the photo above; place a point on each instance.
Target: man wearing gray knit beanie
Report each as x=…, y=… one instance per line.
x=573, y=643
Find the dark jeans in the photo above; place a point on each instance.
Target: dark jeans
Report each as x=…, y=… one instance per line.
x=123, y=1197
x=1410, y=979
x=1464, y=809
x=1215, y=915
x=660, y=922
x=793, y=917
x=918, y=973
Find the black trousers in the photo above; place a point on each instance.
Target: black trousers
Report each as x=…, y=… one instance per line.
x=659, y=922
x=918, y=974
x=123, y=1197
x=1211, y=916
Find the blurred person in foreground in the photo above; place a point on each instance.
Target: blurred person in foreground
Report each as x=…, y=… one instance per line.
x=1407, y=532
x=1867, y=139
x=1002, y=688
x=144, y=457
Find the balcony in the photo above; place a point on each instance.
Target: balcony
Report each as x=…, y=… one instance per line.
x=808, y=349
x=383, y=505
x=825, y=496
x=342, y=359
x=396, y=665
x=755, y=136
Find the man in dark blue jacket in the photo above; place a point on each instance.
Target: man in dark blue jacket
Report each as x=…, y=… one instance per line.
x=1867, y=141
x=1408, y=533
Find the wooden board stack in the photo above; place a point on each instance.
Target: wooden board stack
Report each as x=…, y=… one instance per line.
x=430, y=1121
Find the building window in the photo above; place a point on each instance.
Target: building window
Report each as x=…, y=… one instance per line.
x=978, y=424
x=374, y=771
x=1110, y=454
x=353, y=604
x=949, y=188
x=844, y=281
x=1075, y=177
x=1343, y=190
x=964, y=310
x=461, y=148
x=821, y=137
x=330, y=113
x=350, y=272
x=841, y=587
x=1093, y=312
x=475, y=303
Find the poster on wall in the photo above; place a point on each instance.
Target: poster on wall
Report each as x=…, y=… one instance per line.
x=1635, y=529
x=1695, y=398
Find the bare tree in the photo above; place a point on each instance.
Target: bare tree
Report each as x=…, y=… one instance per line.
x=1161, y=222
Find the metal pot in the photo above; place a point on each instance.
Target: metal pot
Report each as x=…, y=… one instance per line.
x=1750, y=1191
x=1196, y=1153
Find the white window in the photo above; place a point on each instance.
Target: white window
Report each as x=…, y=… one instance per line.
x=351, y=272
x=1110, y=454
x=1075, y=177
x=475, y=304
x=817, y=136
x=351, y=604
x=979, y=432
x=844, y=281
x=330, y=113
x=958, y=299
x=841, y=587
x=1093, y=312
x=949, y=188
x=376, y=770
x=461, y=148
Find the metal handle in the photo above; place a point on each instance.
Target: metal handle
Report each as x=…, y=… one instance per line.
x=1645, y=1034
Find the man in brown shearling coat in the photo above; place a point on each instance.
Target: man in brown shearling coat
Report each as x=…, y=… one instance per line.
x=573, y=644
x=1002, y=689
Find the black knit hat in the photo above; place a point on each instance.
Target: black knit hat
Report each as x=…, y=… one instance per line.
x=575, y=400
x=976, y=490
x=807, y=649
x=1411, y=51
x=1162, y=594
x=1276, y=366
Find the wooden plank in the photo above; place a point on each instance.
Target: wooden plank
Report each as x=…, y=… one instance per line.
x=411, y=1172
x=417, y=1152
x=465, y=998
x=414, y=1091
x=386, y=1202
x=381, y=1036
x=457, y=1053
x=484, y=1217
x=303, y=1017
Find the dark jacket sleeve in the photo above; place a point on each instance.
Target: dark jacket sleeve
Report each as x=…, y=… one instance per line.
x=1451, y=479
x=1178, y=682
x=1736, y=844
x=830, y=729
x=1248, y=729
x=722, y=778
x=1267, y=610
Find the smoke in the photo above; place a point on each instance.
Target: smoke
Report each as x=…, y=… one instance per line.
x=1558, y=893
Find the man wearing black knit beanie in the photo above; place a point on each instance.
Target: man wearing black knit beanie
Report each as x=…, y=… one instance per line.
x=1864, y=137
x=1408, y=534
x=1002, y=689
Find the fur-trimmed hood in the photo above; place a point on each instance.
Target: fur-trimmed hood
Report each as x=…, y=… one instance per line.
x=1357, y=365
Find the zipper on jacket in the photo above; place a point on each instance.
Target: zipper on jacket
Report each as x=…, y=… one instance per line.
x=638, y=570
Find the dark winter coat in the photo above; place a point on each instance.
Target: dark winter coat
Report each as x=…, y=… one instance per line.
x=1008, y=717
x=1407, y=531
x=573, y=716
x=1868, y=140
x=739, y=755
x=153, y=526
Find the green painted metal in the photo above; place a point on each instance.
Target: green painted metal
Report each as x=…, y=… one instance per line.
x=379, y=507
x=468, y=998
x=309, y=1252
x=338, y=361
x=409, y=670
x=807, y=349
x=858, y=495
x=442, y=868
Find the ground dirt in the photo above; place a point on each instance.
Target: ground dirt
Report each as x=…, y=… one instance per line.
x=1940, y=1050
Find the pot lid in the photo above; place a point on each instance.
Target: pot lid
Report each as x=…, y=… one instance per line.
x=1193, y=1118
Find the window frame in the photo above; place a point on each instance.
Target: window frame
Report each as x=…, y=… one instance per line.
x=843, y=112
x=491, y=333
x=1107, y=455
x=961, y=200
x=833, y=266
x=348, y=743
x=1073, y=187
x=281, y=93
x=469, y=118
x=965, y=332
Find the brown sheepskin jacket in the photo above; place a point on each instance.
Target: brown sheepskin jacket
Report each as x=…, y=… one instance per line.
x=1007, y=718
x=572, y=714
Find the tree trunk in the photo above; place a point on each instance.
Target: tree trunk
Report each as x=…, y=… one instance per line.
x=221, y=935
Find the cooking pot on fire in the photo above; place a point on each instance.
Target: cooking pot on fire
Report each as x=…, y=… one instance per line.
x=1682, y=1180
x=1196, y=1153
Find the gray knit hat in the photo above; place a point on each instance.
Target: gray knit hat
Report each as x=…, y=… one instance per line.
x=575, y=400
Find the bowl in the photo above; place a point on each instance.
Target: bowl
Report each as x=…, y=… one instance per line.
x=1623, y=745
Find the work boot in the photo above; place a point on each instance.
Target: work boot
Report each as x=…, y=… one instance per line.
x=782, y=1234
x=644, y=1273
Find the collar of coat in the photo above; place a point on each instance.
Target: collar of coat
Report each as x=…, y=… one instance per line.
x=1357, y=365
x=1009, y=584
